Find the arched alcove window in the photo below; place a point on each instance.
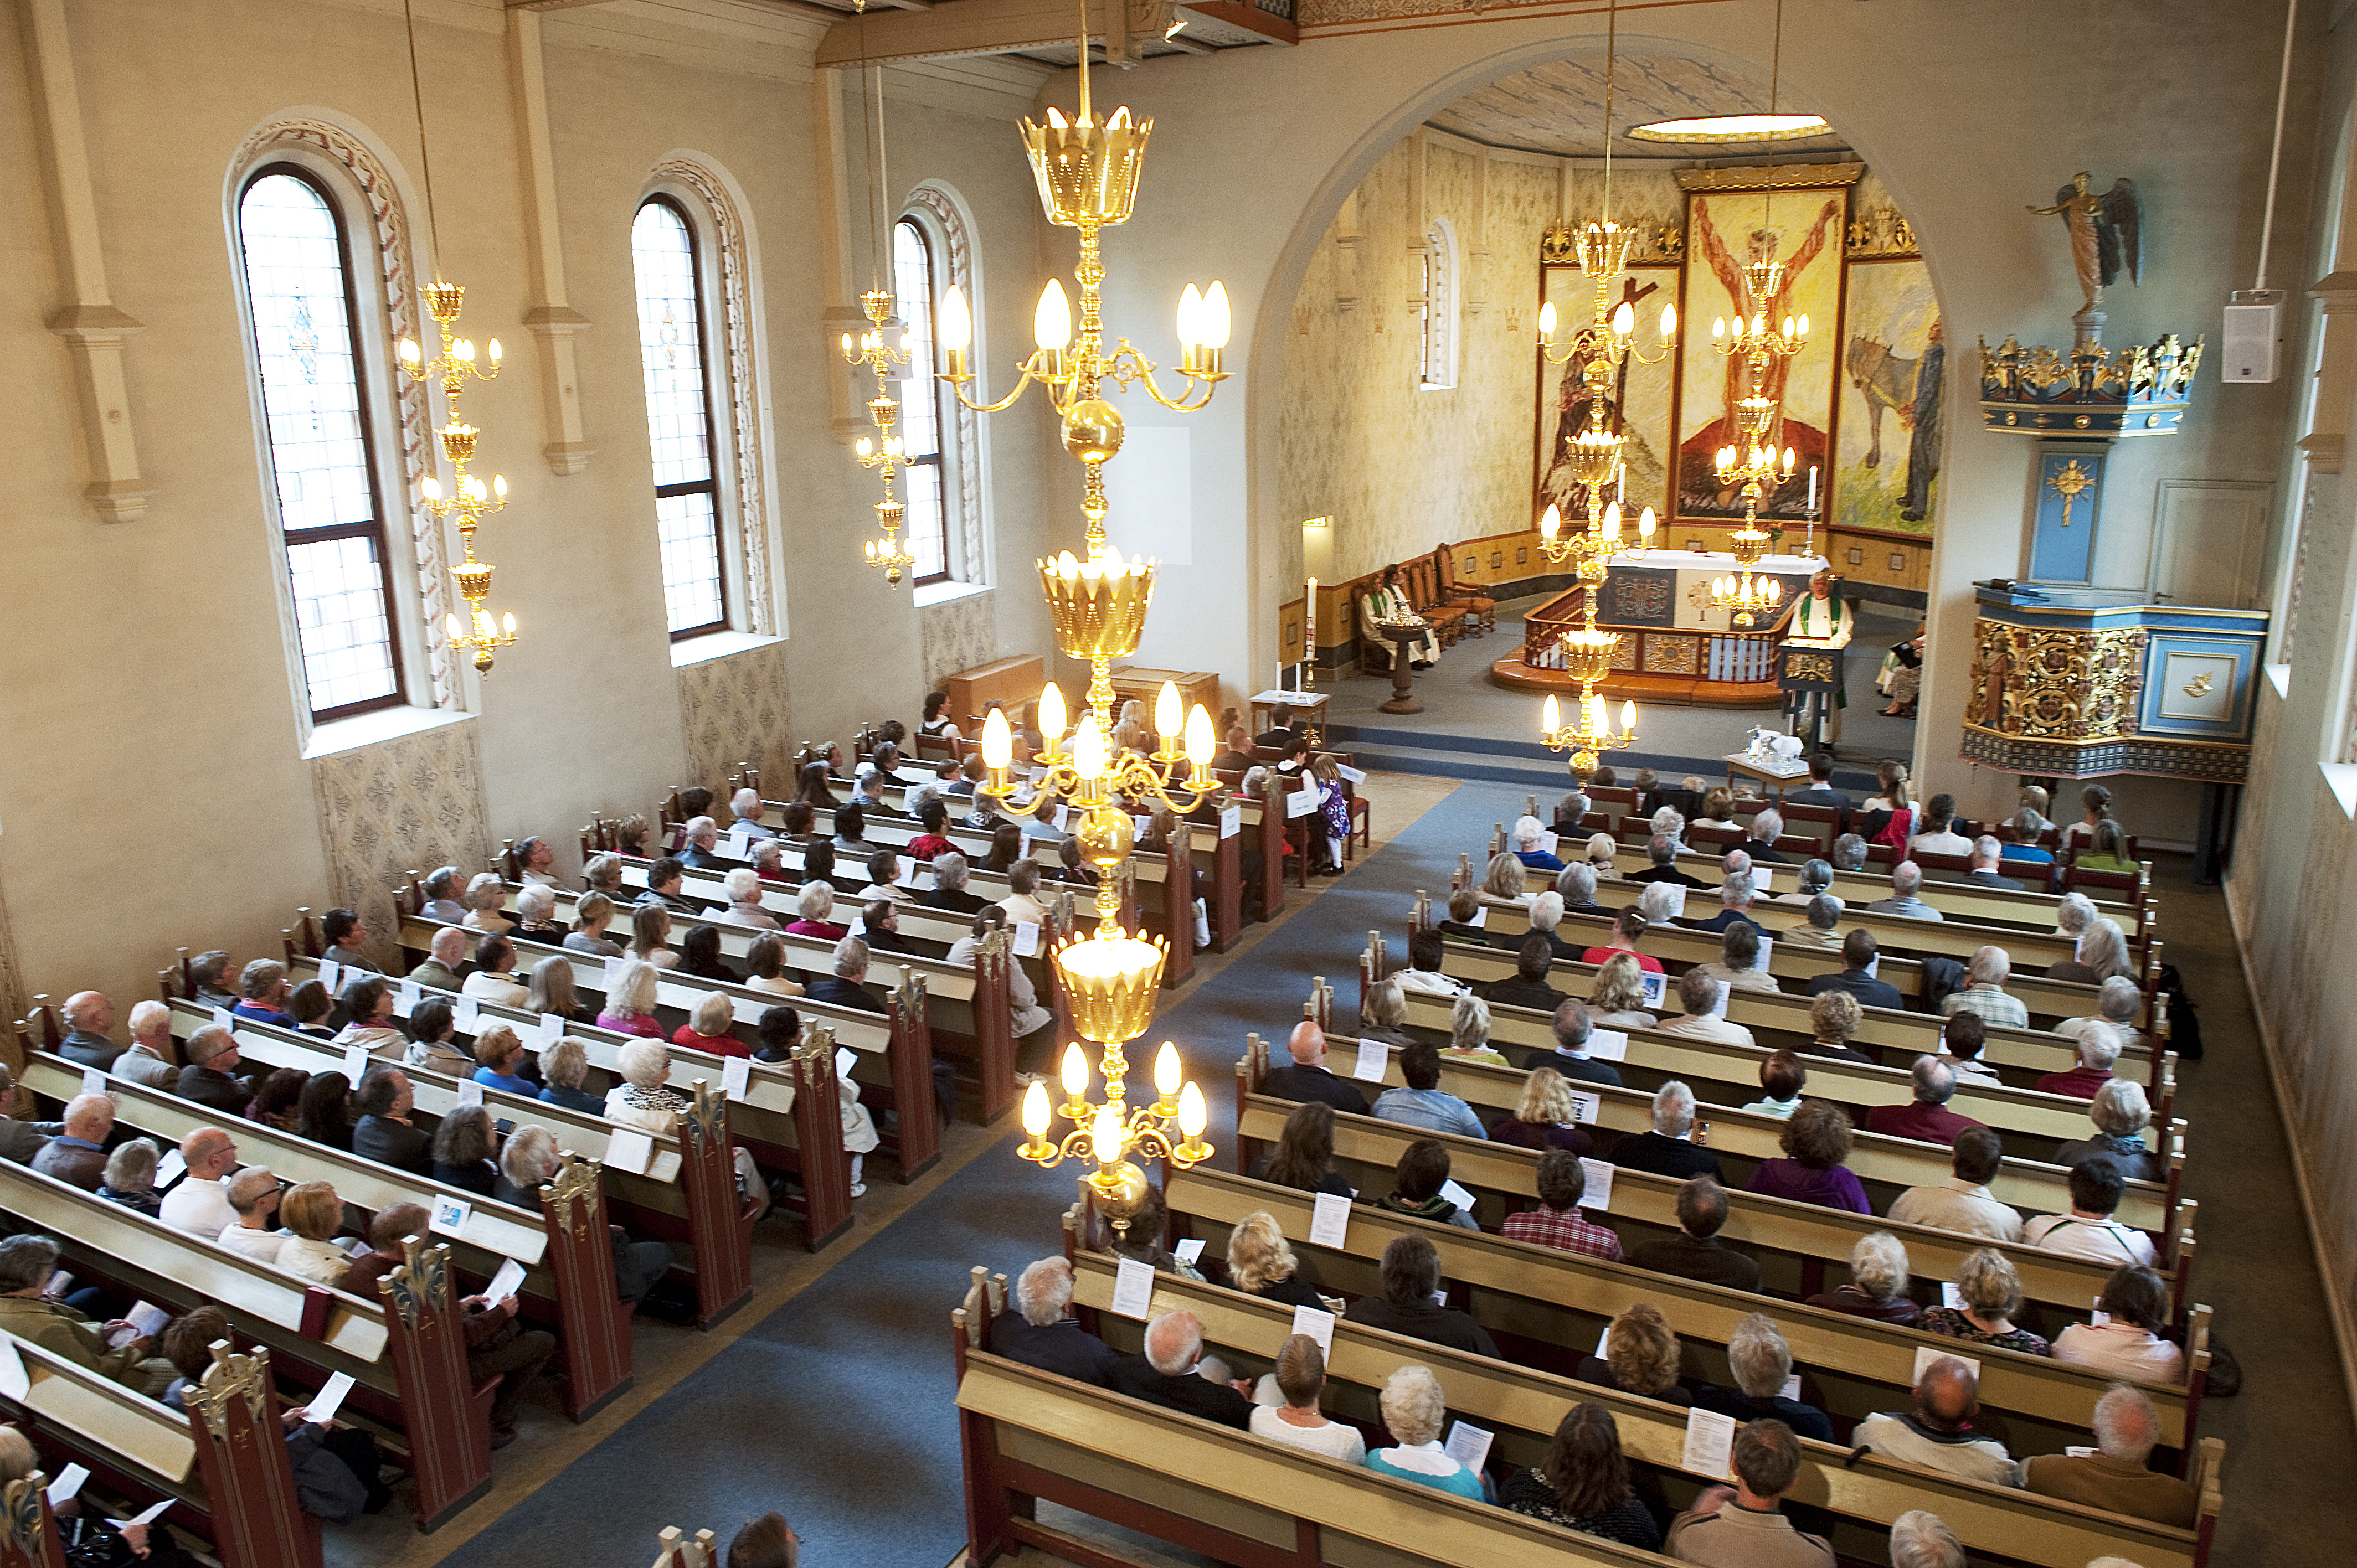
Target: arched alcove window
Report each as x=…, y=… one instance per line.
x=917, y=291
x=325, y=492
x=676, y=367
x=1436, y=315
x=933, y=251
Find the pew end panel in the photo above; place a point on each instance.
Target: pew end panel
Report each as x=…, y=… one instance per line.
x=595, y=1340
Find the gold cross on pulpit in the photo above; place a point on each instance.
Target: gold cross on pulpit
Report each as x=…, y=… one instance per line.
x=2067, y=481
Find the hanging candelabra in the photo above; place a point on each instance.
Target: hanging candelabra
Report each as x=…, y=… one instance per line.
x=1088, y=173
x=469, y=500
x=883, y=451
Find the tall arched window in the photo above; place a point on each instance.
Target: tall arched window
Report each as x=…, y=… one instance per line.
x=671, y=350
x=300, y=299
x=1436, y=315
x=917, y=286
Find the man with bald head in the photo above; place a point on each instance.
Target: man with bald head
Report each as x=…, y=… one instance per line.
x=78, y=1153
x=1165, y=1374
x=1307, y=1078
x=445, y=963
x=201, y=1205
x=88, y=1015
x=1927, y=1118
x=1938, y=1432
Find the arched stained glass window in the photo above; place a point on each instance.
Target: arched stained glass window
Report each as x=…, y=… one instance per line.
x=673, y=350
x=329, y=505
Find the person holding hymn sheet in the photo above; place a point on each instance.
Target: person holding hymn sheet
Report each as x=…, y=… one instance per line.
x=1164, y=1374
x=1991, y=1290
x=1638, y=1355
x=1744, y=1525
x=2116, y=1476
x=1413, y=1410
x=2128, y=1344
x=1556, y=1222
x=1761, y=1361
x=1878, y=1282
x=1546, y=1117
x=1416, y=1182
x=1667, y=1148
x=1260, y=1264
x=1938, y=1433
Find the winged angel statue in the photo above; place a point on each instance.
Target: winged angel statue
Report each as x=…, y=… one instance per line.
x=2104, y=233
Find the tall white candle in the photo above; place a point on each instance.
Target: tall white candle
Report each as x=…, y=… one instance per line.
x=1813, y=489
x=1309, y=635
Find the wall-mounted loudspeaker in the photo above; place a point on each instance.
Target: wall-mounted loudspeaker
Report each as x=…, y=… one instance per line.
x=2251, y=345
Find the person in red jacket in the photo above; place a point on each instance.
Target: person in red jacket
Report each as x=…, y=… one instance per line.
x=1929, y=1118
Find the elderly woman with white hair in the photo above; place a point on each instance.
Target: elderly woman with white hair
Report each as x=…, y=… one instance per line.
x=536, y=919
x=1986, y=994
x=1413, y=1408
x=743, y=886
x=2117, y=1002
x=486, y=901
x=1575, y=886
x=1878, y=1282
x=1761, y=1363
x=642, y=1100
x=2073, y=912
x=2100, y=954
x=1819, y=930
x=2121, y=1113
x=1816, y=877
x=1671, y=824
x=1546, y=916
x=2099, y=1048
x=1530, y=846
x=1920, y=1539
x=1601, y=848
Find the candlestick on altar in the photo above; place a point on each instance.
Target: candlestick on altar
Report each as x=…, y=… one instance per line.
x=1309, y=637
x=1809, y=532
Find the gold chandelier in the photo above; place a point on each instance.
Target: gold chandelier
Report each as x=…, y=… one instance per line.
x=1088, y=174
x=469, y=501
x=883, y=450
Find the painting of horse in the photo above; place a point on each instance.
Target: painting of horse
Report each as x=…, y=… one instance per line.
x=1887, y=382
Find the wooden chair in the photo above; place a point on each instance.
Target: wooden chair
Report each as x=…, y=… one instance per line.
x=1421, y=585
x=1481, y=609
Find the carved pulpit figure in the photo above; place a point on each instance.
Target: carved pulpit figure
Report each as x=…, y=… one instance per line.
x=2104, y=242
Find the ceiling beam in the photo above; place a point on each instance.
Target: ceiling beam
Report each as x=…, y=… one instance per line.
x=1245, y=16
x=551, y=5
x=968, y=27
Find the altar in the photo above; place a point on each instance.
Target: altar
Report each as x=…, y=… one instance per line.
x=1675, y=647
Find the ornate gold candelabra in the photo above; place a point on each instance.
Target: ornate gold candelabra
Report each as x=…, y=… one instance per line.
x=469, y=501
x=1088, y=174
x=1606, y=344
x=883, y=451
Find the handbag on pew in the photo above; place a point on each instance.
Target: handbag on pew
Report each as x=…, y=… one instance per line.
x=2184, y=1024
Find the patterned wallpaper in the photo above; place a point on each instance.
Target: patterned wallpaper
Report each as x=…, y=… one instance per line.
x=405, y=805
x=736, y=710
x=13, y=995
x=958, y=634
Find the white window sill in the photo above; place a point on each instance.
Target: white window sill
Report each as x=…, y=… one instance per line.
x=2279, y=677
x=945, y=593
x=374, y=729
x=716, y=645
x=2342, y=778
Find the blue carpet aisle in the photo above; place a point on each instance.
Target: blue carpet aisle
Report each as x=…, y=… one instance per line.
x=838, y=1408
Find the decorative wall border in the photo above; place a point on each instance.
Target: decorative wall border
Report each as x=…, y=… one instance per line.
x=390, y=227
x=744, y=404
x=2205, y=762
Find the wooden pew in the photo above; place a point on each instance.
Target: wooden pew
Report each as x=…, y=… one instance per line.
x=2020, y=1056
x=909, y=1043
x=1557, y=1299
x=665, y=1200
x=1521, y=1408
x=406, y=1356
x=1680, y=947
x=1803, y=1248
x=1742, y=1139
x=222, y=1462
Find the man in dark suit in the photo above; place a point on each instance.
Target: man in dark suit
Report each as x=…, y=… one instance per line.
x=1662, y=850
x=1165, y=1374
x=212, y=1055
x=1283, y=735
x=882, y=921
x=1820, y=791
x=1734, y=905
x=843, y=987
x=1528, y=987
x=88, y=1015
x=1858, y=953
x=1037, y=1328
x=1463, y=905
x=948, y=891
x=1767, y=822
x=1668, y=1148
x=1307, y=1078
x=1569, y=1057
x=1697, y=1253
x=1988, y=852
x=703, y=852
x=383, y=1133
x=1239, y=754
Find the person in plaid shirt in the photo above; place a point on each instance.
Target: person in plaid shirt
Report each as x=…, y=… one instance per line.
x=1557, y=1222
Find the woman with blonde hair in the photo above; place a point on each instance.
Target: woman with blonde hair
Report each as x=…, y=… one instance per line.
x=1383, y=1013
x=1718, y=809
x=551, y=991
x=1469, y=1033
x=486, y=901
x=650, y=936
x=565, y=1065
x=642, y=1099
x=1992, y=1295
x=1601, y=850
x=499, y=1054
x=1641, y=1356
x=1260, y=1262
x=1834, y=1019
x=631, y=1001
x=602, y=874
x=313, y=1212
x=1618, y=1001
x=1508, y=879
x=592, y=914
x=1546, y=1117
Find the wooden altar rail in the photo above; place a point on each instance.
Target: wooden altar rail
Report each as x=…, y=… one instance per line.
x=1555, y=1302
x=1520, y=1407
x=1662, y=662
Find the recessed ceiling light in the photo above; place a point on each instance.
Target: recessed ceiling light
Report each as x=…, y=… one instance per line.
x=1733, y=128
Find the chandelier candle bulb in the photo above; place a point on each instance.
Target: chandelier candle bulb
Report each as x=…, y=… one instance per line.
x=1628, y=719
x=1552, y=716
x=1669, y=321
x=1624, y=320
x=1051, y=320
x=1199, y=746
x=1169, y=713
x=1215, y=318
x=1549, y=526
x=1053, y=722
x=1546, y=324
